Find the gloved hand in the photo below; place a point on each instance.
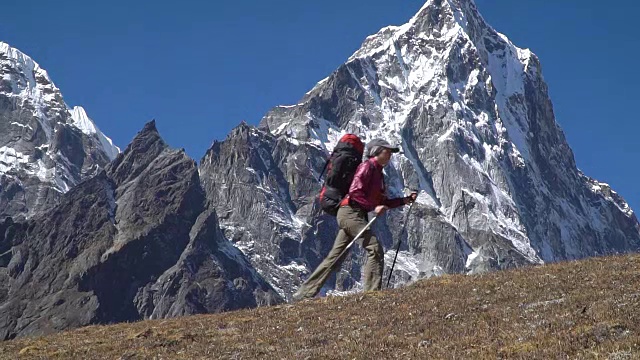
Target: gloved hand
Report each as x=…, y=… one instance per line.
x=411, y=198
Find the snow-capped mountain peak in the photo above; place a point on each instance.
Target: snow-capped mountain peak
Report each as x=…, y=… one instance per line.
x=88, y=127
x=82, y=121
x=25, y=80
x=44, y=144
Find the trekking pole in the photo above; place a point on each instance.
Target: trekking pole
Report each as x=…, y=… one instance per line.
x=404, y=227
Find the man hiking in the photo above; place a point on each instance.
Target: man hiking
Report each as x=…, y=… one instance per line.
x=366, y=194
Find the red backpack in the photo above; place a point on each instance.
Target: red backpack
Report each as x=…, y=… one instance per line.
x=340, y=168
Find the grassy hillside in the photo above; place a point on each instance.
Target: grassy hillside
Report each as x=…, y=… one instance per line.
x=586, y=309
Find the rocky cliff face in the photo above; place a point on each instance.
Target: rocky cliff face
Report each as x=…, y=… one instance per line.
x=46, y=147
x=137, y=241
x=471, y=111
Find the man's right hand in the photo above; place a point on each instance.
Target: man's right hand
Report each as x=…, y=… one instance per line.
x=380, y=209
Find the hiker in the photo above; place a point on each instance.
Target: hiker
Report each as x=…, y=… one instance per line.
x=366, y=194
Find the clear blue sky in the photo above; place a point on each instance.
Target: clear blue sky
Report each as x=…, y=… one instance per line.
x=200, y=67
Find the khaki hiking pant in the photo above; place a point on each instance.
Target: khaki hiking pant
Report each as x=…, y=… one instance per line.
x=351, y=221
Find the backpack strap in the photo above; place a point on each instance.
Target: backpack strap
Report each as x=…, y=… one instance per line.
x=326, y=164
x=324, y=168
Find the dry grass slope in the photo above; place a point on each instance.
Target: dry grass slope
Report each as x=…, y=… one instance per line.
x=587, y=309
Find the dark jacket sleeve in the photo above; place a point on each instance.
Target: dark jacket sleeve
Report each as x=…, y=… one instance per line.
x=394, y=203
x=359, y=189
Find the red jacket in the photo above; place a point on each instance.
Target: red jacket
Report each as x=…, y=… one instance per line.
x=367, y=189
